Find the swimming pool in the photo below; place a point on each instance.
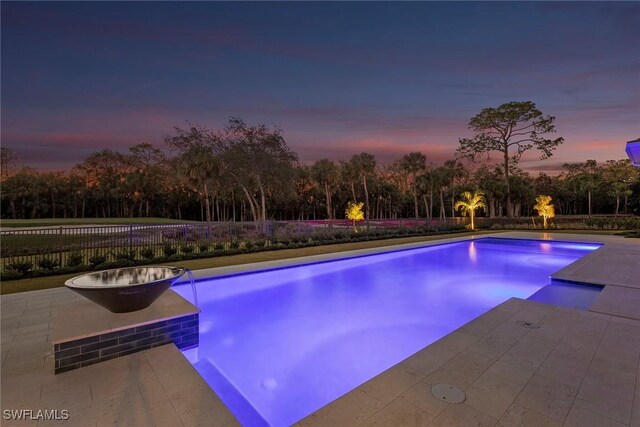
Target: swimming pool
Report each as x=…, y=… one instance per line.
x=277, y=345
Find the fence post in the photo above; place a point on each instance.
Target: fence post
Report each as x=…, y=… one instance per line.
x=186, y=230
x=60, y=252
x=130, y=237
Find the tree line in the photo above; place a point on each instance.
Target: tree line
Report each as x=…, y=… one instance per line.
x=248, y=173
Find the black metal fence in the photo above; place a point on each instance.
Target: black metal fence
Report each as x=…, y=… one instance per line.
x=52, y=248
x=74, y=247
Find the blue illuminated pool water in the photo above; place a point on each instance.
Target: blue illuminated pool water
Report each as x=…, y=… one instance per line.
x=278, y=345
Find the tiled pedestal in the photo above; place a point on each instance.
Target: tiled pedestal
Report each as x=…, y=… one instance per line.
x=85, y=333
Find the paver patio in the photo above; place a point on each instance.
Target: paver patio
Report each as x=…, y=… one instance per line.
x=578, y=368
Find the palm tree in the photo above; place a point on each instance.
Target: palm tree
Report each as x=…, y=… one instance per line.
x=442, y=178
x=365, y=165
x=412, y=164
x=325, y=173
x=544, y=207
x=470, y=203
x=201, y=168
x=456, y=173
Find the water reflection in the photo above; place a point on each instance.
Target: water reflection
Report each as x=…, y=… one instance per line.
x=473, y=252
x=127, y=276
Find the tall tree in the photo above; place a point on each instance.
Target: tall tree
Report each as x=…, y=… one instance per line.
x=200, y=167
x=587, y=177
x=457, y=173
x=105, y=173
x=413, y=164
x=510, y=129
x=493, y=187
x=326, y=174
x=147, y=164
x=427, y=183
x=350, y=177
x=365, y=165
x=260, y=160
x=620, y=176
x=441, y=178
x=8, y=162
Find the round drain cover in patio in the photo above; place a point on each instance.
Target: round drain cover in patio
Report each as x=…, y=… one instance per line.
x=448, y=393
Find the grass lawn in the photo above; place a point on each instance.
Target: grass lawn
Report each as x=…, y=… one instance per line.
x=47, y=222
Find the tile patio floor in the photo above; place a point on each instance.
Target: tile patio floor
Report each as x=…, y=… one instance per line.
x=578, y=368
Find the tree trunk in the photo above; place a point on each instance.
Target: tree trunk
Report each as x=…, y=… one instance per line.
x=207, y=206
x=442, y=211
x=233, y=201
x=431, y=203
x=353, y=191
x=328, y=197
x=415, y=198
x=617, y=205
x=492, y=208
x=263, y=202
x=426, y=206
x=453, y=200
x=366, y=198
x=589, y=194
x=506, y=181
x=253, y=209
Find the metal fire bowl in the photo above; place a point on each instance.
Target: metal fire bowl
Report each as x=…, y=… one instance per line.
x=123, y=290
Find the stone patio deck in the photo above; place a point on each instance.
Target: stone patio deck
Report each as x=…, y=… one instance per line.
x=578, y=368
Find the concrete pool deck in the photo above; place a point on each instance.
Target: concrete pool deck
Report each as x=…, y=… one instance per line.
x=578, y=368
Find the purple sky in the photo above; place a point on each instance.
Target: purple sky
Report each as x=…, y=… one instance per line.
x=338, y=78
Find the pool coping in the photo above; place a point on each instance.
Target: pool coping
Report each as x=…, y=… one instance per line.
x=355, y=254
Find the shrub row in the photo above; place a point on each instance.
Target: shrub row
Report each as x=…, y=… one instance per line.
x=75, y=263
x=625, y=223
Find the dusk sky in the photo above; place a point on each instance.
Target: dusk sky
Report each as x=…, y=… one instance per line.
x=338, y=78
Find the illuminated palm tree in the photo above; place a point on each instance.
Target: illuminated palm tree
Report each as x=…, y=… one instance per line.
x=470, y=203
x=545, y=208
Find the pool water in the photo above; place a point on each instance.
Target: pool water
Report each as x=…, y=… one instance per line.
x=277, y=345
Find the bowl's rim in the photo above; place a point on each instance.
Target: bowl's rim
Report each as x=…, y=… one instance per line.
x=70, y=283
